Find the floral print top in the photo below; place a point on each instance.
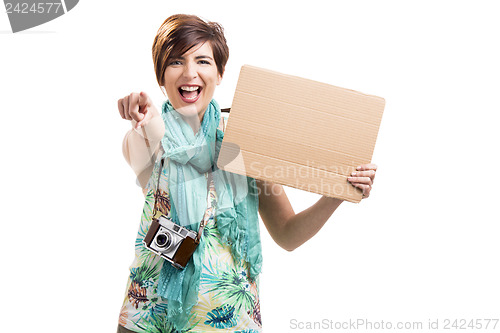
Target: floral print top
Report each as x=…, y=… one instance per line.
x=227, y=300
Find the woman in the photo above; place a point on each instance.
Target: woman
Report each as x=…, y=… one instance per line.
x=219, y=288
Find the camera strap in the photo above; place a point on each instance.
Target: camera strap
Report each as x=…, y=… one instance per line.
x=208, y=175
x=157, y=213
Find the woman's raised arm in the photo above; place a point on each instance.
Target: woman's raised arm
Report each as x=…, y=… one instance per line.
x=290, y=230
x=142, y=142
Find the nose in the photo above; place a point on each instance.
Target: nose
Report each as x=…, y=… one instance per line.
x=190, y=71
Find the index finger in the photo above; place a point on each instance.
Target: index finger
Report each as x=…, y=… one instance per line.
x=369, y=166
x=144, y=99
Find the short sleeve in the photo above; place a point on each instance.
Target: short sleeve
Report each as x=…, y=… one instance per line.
x=223, y=121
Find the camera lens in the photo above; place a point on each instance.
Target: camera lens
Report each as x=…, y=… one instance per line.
x=162, y=240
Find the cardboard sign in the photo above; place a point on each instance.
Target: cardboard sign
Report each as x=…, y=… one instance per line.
x=299, y=133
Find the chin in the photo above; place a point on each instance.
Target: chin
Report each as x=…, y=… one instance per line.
x=187, y=110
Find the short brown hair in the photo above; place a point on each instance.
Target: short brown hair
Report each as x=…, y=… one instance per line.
x=179, y=33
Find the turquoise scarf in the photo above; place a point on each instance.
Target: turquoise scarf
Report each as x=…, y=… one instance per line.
x=236, y=212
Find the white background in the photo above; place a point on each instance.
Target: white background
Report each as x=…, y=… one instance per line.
x=425, y=244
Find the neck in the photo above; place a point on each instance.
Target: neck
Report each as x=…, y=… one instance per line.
x=194, y=121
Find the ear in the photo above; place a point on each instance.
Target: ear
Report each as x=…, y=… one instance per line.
x=219, y=79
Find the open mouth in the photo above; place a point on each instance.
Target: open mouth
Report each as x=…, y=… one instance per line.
x=190, y=94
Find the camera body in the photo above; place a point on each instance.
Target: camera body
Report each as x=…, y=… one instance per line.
x=171, y=241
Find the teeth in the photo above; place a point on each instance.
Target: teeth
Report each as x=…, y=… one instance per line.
x=186, y=88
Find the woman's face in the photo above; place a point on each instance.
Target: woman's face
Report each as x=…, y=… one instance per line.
x=190, y=82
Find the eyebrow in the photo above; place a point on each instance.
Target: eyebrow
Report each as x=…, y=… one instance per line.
x=199, y=57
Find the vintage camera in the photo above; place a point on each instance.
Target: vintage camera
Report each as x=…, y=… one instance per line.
x=171, y=241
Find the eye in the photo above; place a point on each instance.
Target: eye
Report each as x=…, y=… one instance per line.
x=175, y=62
x=204, y=62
